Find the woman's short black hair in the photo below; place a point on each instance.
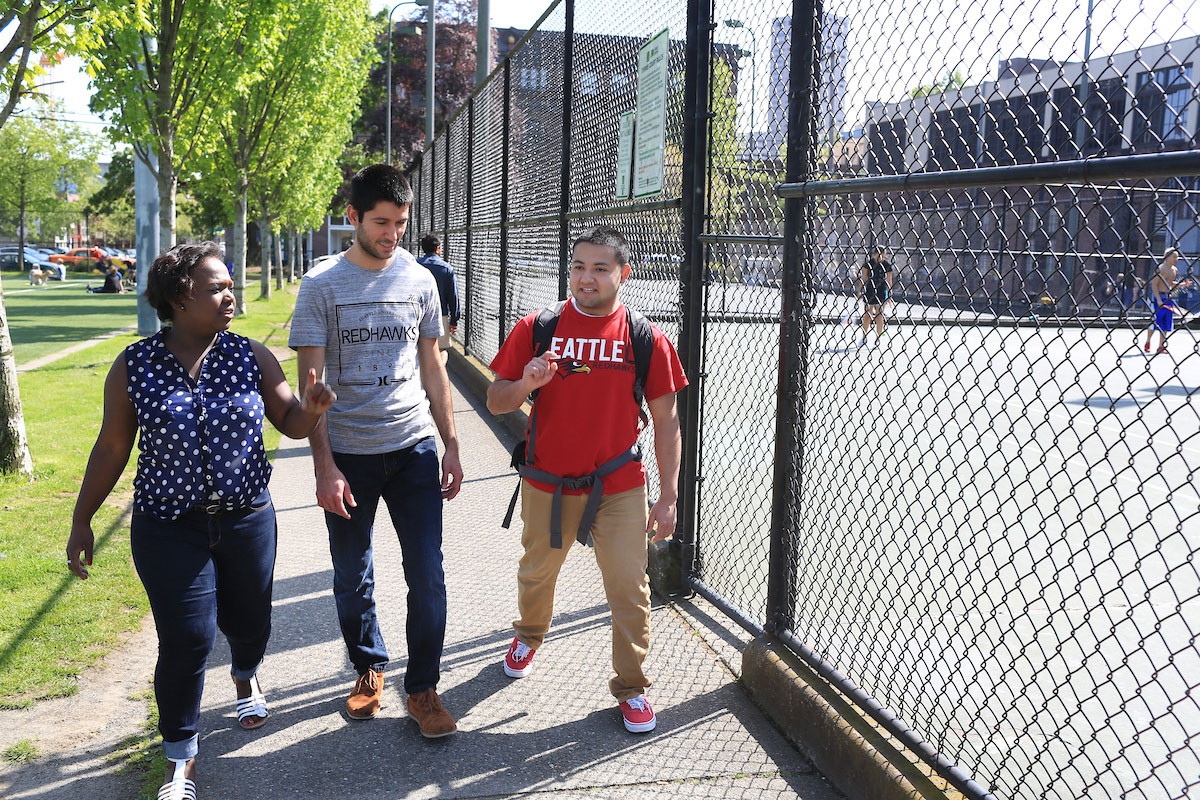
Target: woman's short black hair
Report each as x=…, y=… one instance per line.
x=170, y=276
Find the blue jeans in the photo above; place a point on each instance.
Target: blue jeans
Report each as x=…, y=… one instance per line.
x=408, y=480
x=203, y=572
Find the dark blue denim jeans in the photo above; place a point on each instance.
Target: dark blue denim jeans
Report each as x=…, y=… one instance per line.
x=203, y=572
x=409, y=481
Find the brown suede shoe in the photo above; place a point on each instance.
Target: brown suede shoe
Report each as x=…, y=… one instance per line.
x=427, y=709
x=364, y=701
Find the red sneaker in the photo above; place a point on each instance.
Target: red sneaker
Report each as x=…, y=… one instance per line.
x=639, y=716
x=518, y=660
x=1162, y=349
x=1147, y=347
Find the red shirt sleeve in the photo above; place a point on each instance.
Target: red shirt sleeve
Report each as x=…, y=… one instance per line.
x=516, y=352
x=666, y=372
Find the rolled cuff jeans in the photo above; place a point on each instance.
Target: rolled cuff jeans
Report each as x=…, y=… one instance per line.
x=203, y=572
x=409, y=482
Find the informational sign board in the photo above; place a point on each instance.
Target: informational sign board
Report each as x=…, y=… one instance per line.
x=650, y=136
x=624, y=155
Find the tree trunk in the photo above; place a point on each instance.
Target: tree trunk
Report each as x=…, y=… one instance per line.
x=295, y=259
x=14, y=446
x=264, y=236
x=21, y=232
x=277, y=241
x=239, y=247
x=168, y=184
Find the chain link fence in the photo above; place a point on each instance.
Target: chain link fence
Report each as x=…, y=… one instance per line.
x=960, y=483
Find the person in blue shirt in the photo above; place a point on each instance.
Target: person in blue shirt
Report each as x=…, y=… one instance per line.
x=443, y=273
x=203, y=531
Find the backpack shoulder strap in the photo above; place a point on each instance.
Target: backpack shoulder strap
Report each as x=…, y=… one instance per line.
x=641, y=337
x=544, y=326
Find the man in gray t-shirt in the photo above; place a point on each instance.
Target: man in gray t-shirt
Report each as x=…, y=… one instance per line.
x=370, y=323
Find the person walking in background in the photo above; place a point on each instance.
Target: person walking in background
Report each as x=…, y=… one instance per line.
x=203, y=533
x=1161, y=286
x=371, y=323
x=874, y=289
x=585, y=475
x=443, y=273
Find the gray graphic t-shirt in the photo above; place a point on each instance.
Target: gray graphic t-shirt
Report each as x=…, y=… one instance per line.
x=369, y=321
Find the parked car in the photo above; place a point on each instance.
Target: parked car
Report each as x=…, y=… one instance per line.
x=9, y=260
x=83, y=258
x=123, y=260
x=31, y=253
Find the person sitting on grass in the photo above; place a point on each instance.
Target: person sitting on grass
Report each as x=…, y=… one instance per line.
x=203, y=531
x=112, y=282
x=37, y=276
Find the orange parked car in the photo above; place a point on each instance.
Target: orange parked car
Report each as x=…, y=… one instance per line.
x=84, y=258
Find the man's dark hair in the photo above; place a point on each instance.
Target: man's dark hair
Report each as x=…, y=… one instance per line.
x=606, y=236
x=379, y=182
x=170, y=276
x=430, y=243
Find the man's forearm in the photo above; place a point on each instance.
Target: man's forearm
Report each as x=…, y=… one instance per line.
x=668, y=448
x=318, y=443
x=505, y=396
x=441, y=407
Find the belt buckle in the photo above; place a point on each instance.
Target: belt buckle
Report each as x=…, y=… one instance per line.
x=582, y=482
x=211, y=507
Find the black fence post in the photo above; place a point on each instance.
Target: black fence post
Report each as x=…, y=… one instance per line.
x=697, y=78
x=414, y=224
x=446, y=134
x=795, y=319
x=564, y=226
x=504, y=138
x=470, y=267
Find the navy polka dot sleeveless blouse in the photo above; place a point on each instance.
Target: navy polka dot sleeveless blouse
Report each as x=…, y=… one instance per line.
x=201, y=440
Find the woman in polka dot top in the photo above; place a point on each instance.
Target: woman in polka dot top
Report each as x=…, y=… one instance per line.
x=203, y=533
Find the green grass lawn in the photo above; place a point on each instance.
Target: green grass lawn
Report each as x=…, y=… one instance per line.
x=52, y=625
x=45, y=320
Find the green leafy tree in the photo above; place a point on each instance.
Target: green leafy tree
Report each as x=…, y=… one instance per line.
x=30, y=26
x=950, y=80
x=26, y=26
x=47, y=166
x=158, y=67
x=111, y=205
x=44, y=167
x=312, y=58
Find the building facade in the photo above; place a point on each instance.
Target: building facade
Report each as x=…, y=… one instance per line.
x=1073, y=247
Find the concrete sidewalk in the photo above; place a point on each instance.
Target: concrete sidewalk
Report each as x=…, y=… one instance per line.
x=556, y=732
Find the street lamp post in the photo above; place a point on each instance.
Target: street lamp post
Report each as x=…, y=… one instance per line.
x=737, y=23
x=428, y=71
x=430, y=54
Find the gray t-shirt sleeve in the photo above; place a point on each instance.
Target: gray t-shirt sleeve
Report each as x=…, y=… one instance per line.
x=310, y=326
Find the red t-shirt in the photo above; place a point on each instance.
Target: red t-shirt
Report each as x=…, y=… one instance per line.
x=586, y=415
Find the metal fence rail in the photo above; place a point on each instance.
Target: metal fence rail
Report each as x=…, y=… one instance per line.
x=983, y=525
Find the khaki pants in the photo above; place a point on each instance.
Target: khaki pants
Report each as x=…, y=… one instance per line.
x=619, y=534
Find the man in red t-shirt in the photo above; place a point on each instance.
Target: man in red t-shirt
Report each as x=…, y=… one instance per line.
x=586, y=417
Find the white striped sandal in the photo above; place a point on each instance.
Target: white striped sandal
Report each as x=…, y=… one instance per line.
x=252, y=711
x=179, y=787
